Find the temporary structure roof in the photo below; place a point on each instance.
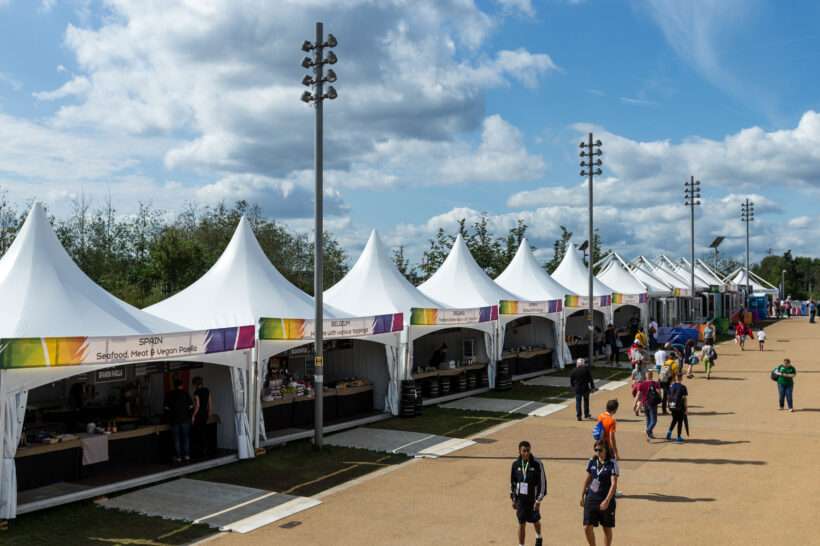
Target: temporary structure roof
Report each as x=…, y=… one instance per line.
x=757, y=284
x=707, y=274
x=374, y=285
x=45, y=294
x=621, y=280
x=573, y=274
x=528, y=280
x=682, y=269
x=240, y=288
x=461, y=283
x=662, y=274
x=655, y=286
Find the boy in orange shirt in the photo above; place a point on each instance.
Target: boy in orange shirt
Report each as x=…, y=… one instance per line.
x=609, y=423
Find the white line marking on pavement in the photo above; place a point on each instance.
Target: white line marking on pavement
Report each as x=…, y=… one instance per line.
x=273, y=514
x=445, y=448
x=548, y=409
x=413, y=442
x=612, y=385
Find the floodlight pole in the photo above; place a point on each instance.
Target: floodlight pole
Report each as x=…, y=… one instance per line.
x=317, y=98
x=747, y=215
x=691, y=193
x=590, y=168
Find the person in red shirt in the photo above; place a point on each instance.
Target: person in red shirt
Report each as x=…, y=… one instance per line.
x=649, y=392
x=740, y=334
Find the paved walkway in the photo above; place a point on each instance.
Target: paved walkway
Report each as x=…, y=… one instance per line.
x=748, y=476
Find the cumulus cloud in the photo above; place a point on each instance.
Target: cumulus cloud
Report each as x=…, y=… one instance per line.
x=223, y=80
x=524, y=7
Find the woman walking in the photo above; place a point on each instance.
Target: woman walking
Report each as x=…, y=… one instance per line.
x=785, y=383
x=740, y=335
x=688, y=353
x=598, y=494
x=708, y=355
x=678, y=395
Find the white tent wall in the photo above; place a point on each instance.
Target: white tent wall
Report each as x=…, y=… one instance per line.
x=544, y=330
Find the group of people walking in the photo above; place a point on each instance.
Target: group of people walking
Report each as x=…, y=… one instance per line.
x=528, y=479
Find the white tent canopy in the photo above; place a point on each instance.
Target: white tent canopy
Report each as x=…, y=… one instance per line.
x=662, y=274
x=375, y=286
x=707, y=273
x=45, y=294
x=683, y=270
x=460, y=283
x=655, y=286
x=757, y=284
x=530, y=282
x=573, y=273
x=629, y=291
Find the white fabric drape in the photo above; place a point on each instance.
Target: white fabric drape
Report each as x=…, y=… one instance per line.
x=261, y=372
x=240, y=400
x=12, y=414
x=391, y=400
x=491, y=355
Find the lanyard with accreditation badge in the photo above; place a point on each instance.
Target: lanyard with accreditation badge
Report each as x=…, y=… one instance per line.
x=524, y=487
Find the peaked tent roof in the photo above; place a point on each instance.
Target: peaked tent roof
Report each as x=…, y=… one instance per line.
x=374, y=285
x=461, y=283
x=45, y=294
x=573, y=274
x=621, y=280
x=528, y=280
x=739, y=278
x=663, y=274
x=654, y=285
x=681, y=268
x=240, y=288
x=708, y=273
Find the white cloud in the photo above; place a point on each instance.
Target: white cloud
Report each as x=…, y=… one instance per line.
x=8, y=79
x=414, y=80
x=525, y=7
x=801, y=222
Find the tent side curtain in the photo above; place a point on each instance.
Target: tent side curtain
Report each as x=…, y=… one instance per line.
x=240, y=383
x=12, y=415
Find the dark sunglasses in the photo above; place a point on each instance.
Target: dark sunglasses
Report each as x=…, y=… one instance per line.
x=598, y=450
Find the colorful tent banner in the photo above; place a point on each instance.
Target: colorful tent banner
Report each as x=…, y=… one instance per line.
x=40, y=352
x=420, y=316
x=680, y=292
x=629, y=299
x=516, y=307
x=582, y=302
x=282, y=329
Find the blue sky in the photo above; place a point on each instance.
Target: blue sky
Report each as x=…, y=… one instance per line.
x=447, y=109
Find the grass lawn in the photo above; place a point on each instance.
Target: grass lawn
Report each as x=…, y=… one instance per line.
x=447, y=422
x=84, y=523
x=295, y=468
x=298, y=469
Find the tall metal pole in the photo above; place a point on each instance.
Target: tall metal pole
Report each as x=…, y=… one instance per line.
x=591, y=234
x=318, y=252
x=691, y=194
x=590, y=166
x=748, y=280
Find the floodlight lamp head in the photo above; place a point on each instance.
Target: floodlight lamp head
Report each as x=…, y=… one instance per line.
x=599, y=162
x=599, y=172
x=581, y=145
x=582, y=154
x=331, y=58
x=331, y=41
x=598, y=143
x=307, y=46
x=331, y=93
x=307, y=97
x=307, y=62
x=307, y=81
x=331, y=76
x=599, y=152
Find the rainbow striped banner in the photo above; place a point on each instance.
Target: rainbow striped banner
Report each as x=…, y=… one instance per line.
x=680, y=292
x=517, y=307
x=582, y=302
x=282, y=329
x=41, y=352
x=421, y=316
x=629, y=299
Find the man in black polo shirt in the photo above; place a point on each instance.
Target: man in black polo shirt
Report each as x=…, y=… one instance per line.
x=582, y=384
x=528, y=485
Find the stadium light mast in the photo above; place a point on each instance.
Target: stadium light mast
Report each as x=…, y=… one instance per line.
x=691, y=198
x=591, y=167
x=316, y=98
x=747, y=216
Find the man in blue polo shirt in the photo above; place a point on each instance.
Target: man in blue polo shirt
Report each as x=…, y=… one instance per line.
x=528, y=485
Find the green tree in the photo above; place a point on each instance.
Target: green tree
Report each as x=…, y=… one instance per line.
x=404, y=267
x=559, y=248
x=436, y=253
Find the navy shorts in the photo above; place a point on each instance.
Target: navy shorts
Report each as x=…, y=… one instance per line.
x=593, y=515
x=527, y=513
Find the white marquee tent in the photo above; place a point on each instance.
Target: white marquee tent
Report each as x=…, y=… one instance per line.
x=628, y=291
x=758, y=285
x=375, y=286
x=538, y=294
x=460, y=283
x=46, y=295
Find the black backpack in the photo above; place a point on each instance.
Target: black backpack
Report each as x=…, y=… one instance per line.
x=676, y=396
x=652, y=396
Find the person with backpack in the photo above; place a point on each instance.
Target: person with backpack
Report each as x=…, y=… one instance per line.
x=599, y=492
x=740, y=334
x=709, y=334
x=650, y=394
x=678, y=395
x=784, y=375
x=528, y=486
x=668, y=370
x=606, y=425
x=708, y=356
x=688, y=353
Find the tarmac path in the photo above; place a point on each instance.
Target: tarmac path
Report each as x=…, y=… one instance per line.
x=749, y=475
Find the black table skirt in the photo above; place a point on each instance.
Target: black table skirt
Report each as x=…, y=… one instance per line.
x=521, y=366
x=354, y=404
x=48, y=468
x=278, y=417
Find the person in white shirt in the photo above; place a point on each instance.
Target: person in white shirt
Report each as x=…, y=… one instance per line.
x=761, y=338
x=660, y=356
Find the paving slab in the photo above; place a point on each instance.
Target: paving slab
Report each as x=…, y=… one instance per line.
x=412, y=444
x=503, y=405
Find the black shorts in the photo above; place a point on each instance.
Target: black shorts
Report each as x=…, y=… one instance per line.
x=593, y=515
x=526, y=512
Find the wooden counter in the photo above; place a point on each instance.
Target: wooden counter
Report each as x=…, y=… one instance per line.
x=42, y=449
x=449, y=372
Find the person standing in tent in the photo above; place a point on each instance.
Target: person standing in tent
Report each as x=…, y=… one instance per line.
x=528, y=486
x=202, y=414
x=178, y=405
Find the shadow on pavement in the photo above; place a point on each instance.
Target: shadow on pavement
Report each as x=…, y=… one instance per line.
x=714, y=378
x=738, y=462
x=807, y=409
x=711, y=412
x=659, y=497
x=715, y=442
